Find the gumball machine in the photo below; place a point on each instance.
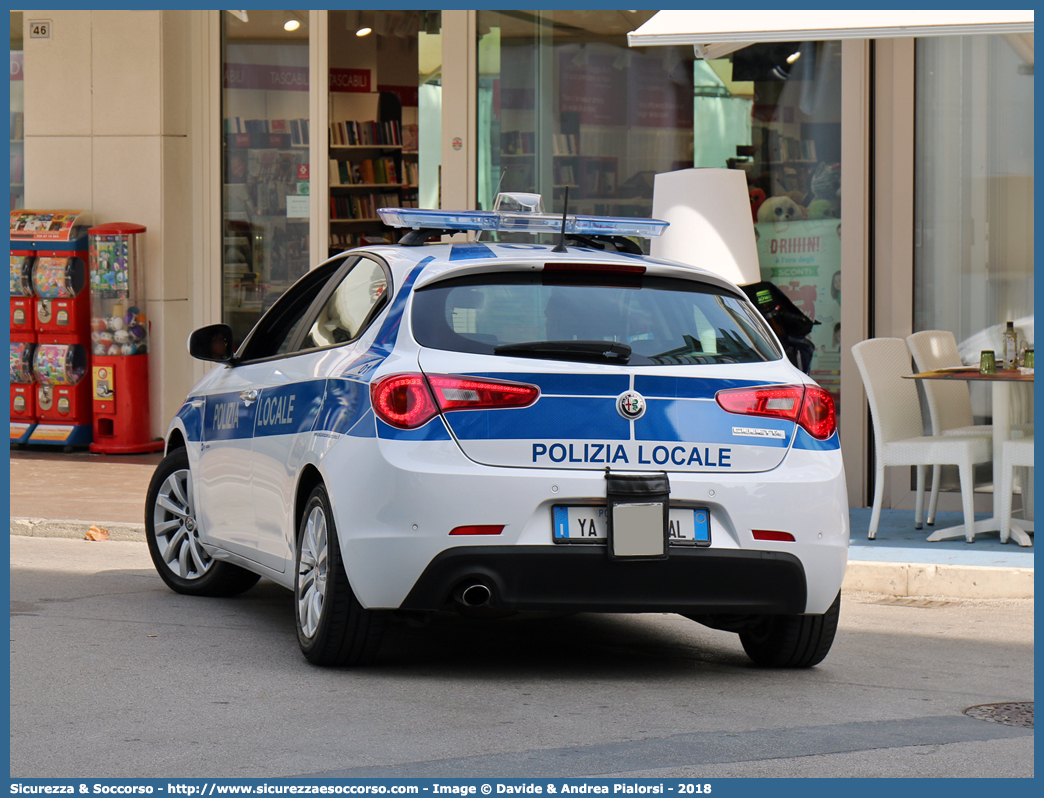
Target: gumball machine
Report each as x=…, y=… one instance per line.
x=50, y=305
x=23, y=299
x=62, y=305
x=22, y=390
x=63, y=400
x=23, y=340
x=119, y=340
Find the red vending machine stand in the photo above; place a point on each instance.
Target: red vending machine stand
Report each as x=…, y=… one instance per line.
x=120, y=339
x=51, y=249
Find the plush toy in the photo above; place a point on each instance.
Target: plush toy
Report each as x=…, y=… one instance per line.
x=826, y=186
x=757, y=196
x=780, y=209
x=821, y=209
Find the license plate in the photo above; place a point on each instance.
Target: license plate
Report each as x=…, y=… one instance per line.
x=589, y=525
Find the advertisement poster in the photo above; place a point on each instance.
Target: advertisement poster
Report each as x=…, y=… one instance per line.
x=44, y=225
x=803, y=258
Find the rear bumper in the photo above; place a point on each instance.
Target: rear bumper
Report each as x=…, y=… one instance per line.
x=583, y=578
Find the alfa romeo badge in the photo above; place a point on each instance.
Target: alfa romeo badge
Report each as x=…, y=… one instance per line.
x=631, y=404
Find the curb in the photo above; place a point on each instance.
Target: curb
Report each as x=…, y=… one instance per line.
x=888, y=578
x=955, y=581
x=77, y=530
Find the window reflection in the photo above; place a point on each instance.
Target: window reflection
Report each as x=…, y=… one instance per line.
x=265, y=138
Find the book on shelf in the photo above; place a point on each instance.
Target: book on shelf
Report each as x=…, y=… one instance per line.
x=351, y=133
x=410, y=173
x=360, y=206
x=276, y=141
x=366, y=171
x=788, y=148
x=565, y=144
x=295, y=131
x=342, y=241
x=517, y=142
x=17, y=125
x=410, y=138
x=564, y=174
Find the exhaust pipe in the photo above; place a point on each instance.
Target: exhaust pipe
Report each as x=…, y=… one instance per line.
x=474, y=595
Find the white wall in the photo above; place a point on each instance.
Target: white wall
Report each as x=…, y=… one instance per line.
x=107, y=129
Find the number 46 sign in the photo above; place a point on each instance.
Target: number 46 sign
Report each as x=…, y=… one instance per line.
x=40, y=29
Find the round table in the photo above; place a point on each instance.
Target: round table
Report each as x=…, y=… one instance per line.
x=1000, y=387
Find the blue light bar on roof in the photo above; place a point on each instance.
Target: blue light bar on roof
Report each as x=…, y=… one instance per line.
x=520, y=222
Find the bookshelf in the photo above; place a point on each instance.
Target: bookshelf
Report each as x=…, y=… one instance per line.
x=373, y=164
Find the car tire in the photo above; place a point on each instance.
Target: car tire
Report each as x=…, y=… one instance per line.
x=791, y=641
x=333, y=628
x=172, y=532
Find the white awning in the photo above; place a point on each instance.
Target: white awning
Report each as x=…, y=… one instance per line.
x=716, y=33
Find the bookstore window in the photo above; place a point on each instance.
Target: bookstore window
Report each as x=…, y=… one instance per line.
x=17, y=114
x=265, y=162
x=774, y=111
x=564, y=103
x=385, y=119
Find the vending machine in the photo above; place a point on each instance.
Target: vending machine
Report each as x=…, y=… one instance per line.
x=22, y=387
x=50, y=309
x=120, y=341
x=22, y=391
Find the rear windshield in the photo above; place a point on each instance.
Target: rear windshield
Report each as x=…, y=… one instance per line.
x=651, y=320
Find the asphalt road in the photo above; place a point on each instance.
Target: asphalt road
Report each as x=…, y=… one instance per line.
x=113, y=675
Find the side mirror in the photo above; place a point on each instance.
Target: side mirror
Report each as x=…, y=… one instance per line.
x=213, y=342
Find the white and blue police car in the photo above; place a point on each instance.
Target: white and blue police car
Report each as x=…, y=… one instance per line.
x=509, y=426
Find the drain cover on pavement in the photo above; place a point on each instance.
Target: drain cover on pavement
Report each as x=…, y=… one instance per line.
x=1019, y=713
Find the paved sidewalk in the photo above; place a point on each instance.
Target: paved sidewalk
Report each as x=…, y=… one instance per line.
x=61, y=495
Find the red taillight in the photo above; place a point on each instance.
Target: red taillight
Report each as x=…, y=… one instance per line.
x=408, y=401
x=807, y=405
x=485, y=529
x=462, y=393
x=768, y=534
x=818, y=414
x=403, y=400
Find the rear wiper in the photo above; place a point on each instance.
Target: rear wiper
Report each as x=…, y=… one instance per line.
x=612, y=351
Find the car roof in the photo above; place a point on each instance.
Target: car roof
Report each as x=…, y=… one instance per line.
x=444, y=261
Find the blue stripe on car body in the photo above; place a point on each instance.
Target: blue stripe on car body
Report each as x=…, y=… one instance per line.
x=192, y=417
x=805, y=441
x=288, y=409
x=434, y=430
x=472, y=251
x=552, y=417
x=649, y=385
x=566, y=384
x=346, y=402
x=226, y=417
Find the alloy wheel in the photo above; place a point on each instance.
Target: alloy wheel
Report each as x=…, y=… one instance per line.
x=312, y=572
x=177, y=532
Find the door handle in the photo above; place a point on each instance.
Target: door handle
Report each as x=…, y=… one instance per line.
x=248, y=397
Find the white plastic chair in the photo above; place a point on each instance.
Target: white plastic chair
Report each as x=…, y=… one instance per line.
x=896, y=413
x=1016, y=453
x=949, y=402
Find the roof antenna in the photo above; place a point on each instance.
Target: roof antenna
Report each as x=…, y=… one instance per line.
x=561, y=247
